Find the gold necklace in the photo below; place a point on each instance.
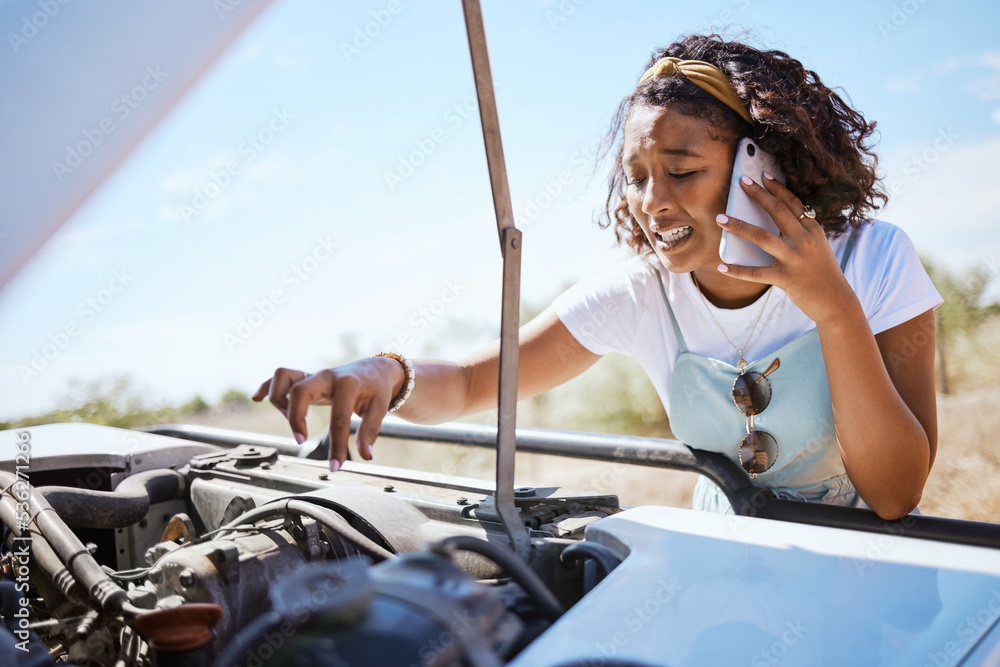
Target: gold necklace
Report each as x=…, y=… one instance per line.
x=742, y=363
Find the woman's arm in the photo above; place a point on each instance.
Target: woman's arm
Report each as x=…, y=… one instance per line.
x=548, y=353
x=549, y=356
x=882, y=387
x=884, y=407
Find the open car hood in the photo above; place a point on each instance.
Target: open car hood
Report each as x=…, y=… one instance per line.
x=83, y=83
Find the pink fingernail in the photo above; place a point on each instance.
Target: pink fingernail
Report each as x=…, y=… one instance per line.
x=334, y=465
x=722, y=219
x=723, y=268
x=747, y=180
x=768, y=176
x=299, y=438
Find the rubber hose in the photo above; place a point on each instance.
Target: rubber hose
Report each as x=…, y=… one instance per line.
x=71, y=551
x=600, y=553
x=42, y=552
x=126, y=506
x=508, y=560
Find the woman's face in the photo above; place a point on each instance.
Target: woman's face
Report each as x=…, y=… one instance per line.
x=678, y=181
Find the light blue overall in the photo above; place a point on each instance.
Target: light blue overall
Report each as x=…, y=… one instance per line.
x=799, y=416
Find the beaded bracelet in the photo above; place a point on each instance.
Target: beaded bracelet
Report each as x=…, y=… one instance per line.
x=408, y=381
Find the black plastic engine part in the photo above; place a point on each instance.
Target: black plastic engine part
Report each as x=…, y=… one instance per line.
x=417, y=609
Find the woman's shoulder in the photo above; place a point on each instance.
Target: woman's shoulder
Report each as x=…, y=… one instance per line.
x=876, y=243
x=881, y=231
x=887, y=275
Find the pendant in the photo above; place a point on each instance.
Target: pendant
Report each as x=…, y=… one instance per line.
x=741, y=364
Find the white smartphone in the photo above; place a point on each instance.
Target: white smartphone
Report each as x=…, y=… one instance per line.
x=751, y=160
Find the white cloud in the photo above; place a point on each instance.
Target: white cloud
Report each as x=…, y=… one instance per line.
x=992, y=59
x=945, y=200
x=996, y=115
x=985, y=88
x=988, y=87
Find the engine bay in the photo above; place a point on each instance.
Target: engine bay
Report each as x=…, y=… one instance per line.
x=163, y=550
x=127, y=548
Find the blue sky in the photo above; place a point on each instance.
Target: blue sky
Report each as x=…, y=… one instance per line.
x=365, y=219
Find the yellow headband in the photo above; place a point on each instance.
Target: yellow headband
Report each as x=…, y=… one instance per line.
x=706, y=76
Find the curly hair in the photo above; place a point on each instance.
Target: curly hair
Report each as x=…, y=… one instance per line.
x=823, y=145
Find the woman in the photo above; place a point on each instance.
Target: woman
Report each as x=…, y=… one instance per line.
x=834, y=399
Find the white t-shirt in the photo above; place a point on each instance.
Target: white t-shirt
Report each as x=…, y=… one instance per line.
x=622, y=310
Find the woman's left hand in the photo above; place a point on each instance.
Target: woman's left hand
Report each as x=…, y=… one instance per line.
x=805, y=266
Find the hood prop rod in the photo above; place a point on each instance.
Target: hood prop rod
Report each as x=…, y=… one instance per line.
x=510, y=247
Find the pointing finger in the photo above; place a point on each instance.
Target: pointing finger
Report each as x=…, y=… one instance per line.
x=372, y=414
x=342, y=404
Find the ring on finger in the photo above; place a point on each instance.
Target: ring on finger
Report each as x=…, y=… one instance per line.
x=808, y=212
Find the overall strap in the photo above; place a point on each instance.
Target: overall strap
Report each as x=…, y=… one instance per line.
x=851, y=240
x=673, y=320
x=848, y=249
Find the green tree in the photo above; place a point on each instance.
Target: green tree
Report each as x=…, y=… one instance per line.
x=962, y=311
x=234, y=399
x=114, y=401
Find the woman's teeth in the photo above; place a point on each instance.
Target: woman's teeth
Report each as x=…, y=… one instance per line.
x=675, y=234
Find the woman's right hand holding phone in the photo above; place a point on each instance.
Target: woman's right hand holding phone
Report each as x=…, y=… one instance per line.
x=364, y=387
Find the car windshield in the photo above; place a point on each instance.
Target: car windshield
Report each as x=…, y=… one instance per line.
x=321, y=194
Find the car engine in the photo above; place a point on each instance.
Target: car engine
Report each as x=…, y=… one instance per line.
x=129, y=548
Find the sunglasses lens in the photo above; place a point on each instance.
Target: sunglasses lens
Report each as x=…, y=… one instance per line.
x=751, y=393
x=758, y=452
